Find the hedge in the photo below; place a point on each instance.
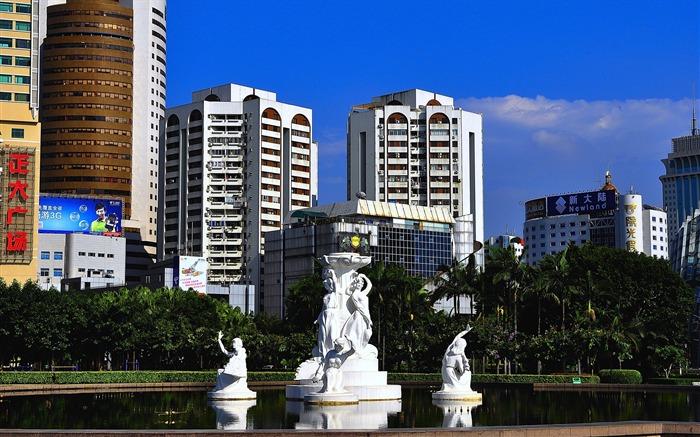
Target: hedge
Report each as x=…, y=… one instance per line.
x=209, y=376
x=620, y=376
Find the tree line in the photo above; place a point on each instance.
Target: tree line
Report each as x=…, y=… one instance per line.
x=584, y=309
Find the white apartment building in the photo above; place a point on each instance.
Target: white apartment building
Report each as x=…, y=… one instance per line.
x=234, y=163
x=148, y=109
x=414, y=147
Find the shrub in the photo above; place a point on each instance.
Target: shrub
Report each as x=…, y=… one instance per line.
x=620, y=376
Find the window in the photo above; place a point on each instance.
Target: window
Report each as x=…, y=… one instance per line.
x=5, y=78
x=5, y=60
x=23, y=44
x=21, y=97
x=91, y=254
x=110, y=255
x=5, y=7
x=23, y=9
x=57, y=273
x=5, y=96
x=5, y=24
x=24, y=80
x=44, y=272
x=25, y=26
x=81, y=253
x=5, y=42
x=58, y=255
x=45, y=255
x=22, y=61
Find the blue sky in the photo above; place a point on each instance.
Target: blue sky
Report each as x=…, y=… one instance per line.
x=567, y=89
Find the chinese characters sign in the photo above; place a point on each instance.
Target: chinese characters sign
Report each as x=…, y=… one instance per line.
x=581, y=203
x=17, y=207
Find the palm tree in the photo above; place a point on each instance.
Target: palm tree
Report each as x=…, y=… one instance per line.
x=456, y=280
x=557, y=271
x=509, y=271
x=540, y=288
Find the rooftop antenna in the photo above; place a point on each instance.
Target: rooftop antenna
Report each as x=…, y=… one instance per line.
x=694, y=128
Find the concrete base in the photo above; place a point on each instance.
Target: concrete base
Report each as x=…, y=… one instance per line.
x=346, y=398
x=457, y=396
x=238, y=395
x=362, y=392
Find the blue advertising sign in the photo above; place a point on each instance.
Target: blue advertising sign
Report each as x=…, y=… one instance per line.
x=66, y=215
x=581, y=203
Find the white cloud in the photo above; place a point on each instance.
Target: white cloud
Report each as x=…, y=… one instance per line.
x=537, y=146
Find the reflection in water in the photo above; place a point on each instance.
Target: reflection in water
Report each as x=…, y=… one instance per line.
x=456, y=414
x=232, y=414
x=365, y=415
x=189, y=410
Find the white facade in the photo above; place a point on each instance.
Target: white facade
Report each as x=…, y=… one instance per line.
x=99, y=260
x=655, y=237
x=551, y=235
x=234, y=162
x=414, y=147
x=148, y=110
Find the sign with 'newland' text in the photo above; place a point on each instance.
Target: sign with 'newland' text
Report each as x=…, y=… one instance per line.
x=581, y=203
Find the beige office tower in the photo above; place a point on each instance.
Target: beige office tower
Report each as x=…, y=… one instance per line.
x=103, y=95
x=235, y=162
x=416, y=148
x=20, y=132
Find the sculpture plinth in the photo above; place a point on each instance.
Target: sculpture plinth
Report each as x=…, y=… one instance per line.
x=344, y=365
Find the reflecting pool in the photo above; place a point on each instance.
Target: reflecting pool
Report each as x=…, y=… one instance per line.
x=190, y=410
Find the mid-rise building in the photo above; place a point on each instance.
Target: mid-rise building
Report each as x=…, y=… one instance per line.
x=415, y=148
x=234, y=163
x=416, y=237
x=20, y=133
x=603, y=217
x=103, y=95
x=681, y=183
x=505, y=241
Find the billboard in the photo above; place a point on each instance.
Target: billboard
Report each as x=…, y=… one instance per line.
x=536, y=208
x=67, y=215
x=190, y=272
x=581, y=203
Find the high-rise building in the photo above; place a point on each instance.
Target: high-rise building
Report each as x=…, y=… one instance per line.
x=20, y=133
x=414, y=147
x=681, y=183
x=103, y=95
x=234, y=163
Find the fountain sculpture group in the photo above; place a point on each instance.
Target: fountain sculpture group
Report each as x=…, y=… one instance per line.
x=344, y=367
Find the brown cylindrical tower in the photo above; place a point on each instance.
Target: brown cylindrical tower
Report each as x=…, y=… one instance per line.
x=86, y=100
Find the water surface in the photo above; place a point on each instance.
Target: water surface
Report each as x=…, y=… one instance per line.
x=190, y=410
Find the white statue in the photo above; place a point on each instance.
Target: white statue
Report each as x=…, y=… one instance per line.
x=456, y=374
x=328, y=320
x=332, y=363
x=231, y=382
x=358, y=327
